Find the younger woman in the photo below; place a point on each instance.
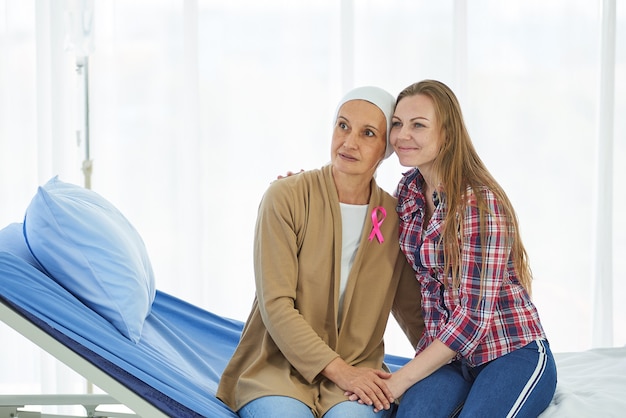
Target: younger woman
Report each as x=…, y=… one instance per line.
x=484, y=352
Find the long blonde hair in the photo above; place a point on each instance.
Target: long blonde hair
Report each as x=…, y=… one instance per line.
x=458, y=168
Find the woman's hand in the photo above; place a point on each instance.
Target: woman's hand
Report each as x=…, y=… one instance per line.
x=289, y=173
x=393, y=383
x=367, y=385
x=432, y=358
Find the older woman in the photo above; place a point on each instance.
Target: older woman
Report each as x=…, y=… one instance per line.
x=328, y=271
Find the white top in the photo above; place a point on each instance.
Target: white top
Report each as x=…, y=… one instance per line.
x=352, y=221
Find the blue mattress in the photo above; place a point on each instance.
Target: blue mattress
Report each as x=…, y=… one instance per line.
x=176, y=365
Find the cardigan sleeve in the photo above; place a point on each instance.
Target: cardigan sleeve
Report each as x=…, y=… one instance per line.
x=276, y=277
x=407, y=305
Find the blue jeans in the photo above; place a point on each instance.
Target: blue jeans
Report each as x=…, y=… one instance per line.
x=518, y=384
x=284, y=406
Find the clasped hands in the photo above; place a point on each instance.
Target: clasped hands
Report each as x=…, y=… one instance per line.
x=386, y=391
x=364, y=385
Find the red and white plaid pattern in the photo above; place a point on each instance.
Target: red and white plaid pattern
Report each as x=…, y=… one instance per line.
x=479, y=328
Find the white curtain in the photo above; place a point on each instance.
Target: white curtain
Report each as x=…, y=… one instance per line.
x=197, y=105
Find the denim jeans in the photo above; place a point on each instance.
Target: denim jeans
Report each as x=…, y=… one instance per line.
x=286, y=407
x=518, y=384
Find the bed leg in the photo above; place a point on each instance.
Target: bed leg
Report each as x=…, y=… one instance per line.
x=16, y=412
x=8, y=411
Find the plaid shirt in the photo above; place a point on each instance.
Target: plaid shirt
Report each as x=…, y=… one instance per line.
x=478, y=329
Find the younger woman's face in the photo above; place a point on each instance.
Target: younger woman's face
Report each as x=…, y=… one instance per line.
x=415, y=133
x=359, y=138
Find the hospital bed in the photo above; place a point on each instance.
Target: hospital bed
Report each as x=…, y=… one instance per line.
x=170, y=365
x=173, y=370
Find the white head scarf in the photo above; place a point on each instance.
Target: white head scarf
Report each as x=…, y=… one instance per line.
x=379, y=98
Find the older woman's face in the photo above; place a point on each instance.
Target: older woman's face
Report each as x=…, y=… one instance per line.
x=415, y=133
x=359, y=138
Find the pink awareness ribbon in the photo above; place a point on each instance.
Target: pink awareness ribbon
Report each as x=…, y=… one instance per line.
x=377, y=223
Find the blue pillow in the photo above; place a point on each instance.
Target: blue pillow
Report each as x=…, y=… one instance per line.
x=90, y=248
x=12, y=242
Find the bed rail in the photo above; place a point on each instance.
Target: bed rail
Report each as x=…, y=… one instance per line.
x=120, y=394
x=16, y=406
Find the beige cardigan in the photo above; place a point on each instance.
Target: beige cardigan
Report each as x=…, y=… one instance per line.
x=291, y=334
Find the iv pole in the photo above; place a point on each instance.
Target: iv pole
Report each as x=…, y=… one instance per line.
x=79, y=39
x=82, y=70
